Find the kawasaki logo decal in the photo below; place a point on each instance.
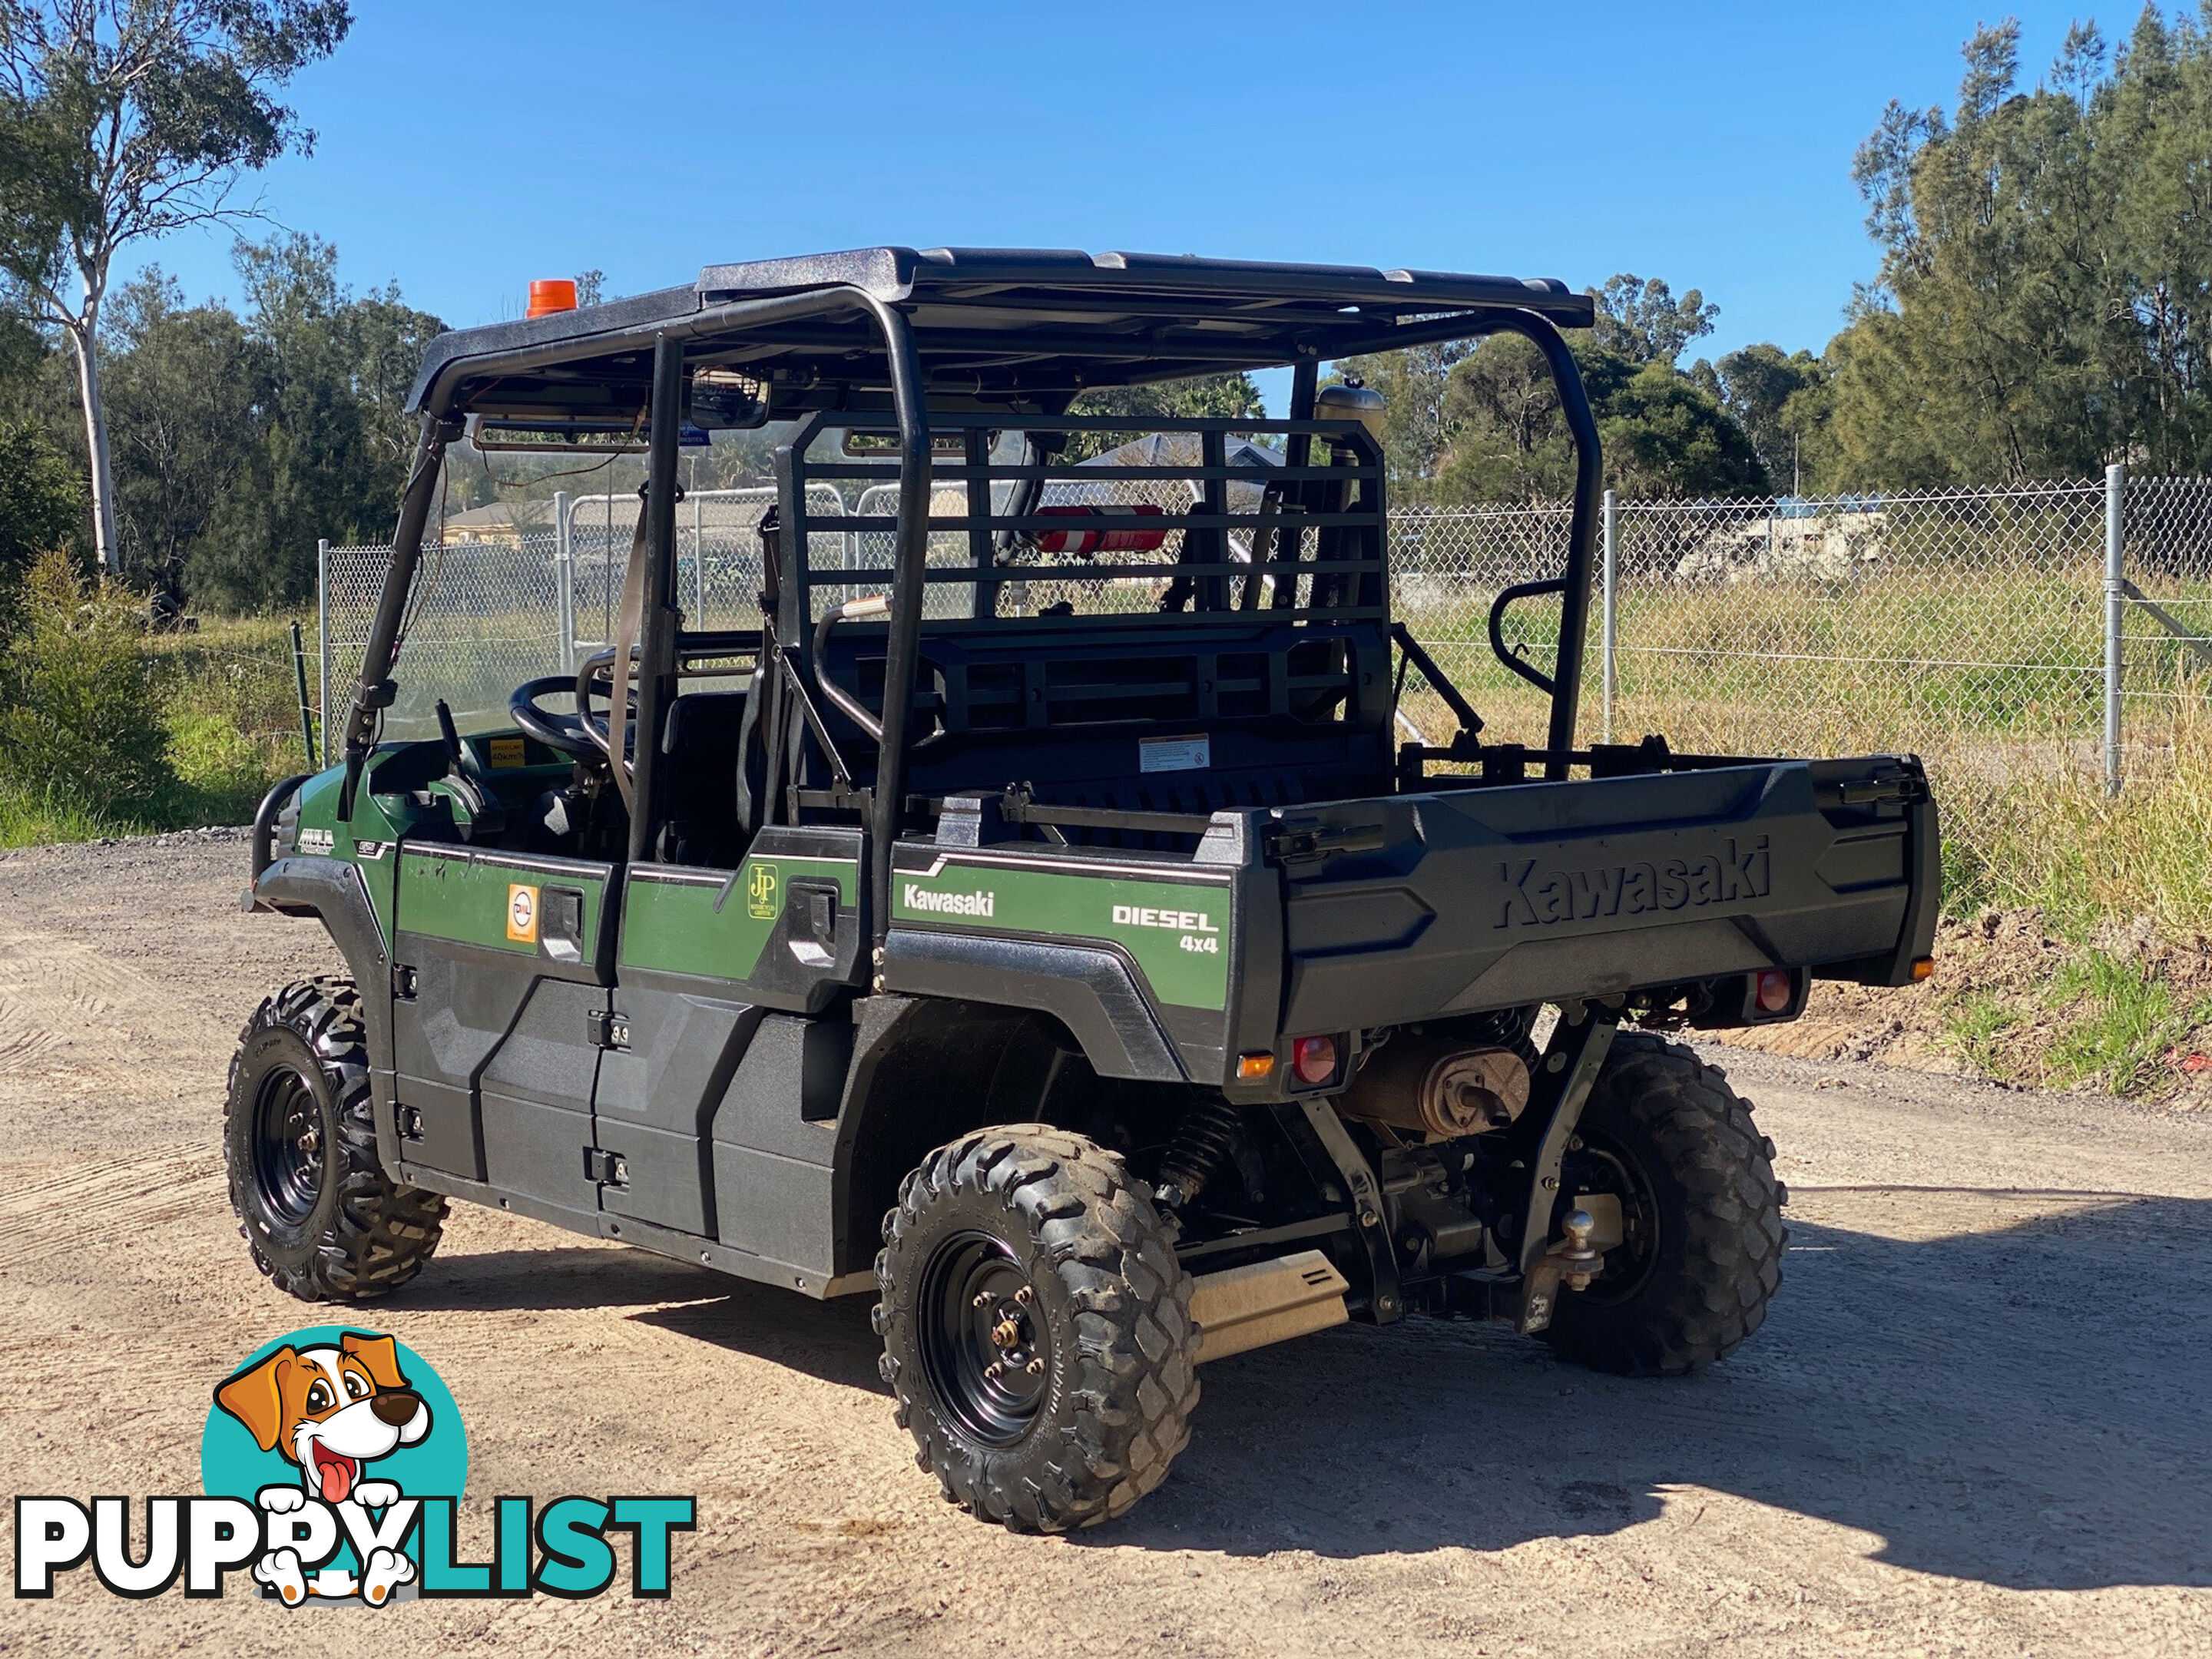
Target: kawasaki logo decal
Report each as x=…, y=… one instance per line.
x=951, y=904
x=1535, y=895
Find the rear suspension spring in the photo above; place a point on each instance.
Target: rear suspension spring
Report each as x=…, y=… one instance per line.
x=1205, y=1136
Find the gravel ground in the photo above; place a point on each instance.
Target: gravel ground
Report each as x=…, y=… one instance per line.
x=1978, y=1421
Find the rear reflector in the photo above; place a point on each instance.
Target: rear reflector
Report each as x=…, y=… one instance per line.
x=1775, y=990
x=1923, y=968
x=1250, y=1066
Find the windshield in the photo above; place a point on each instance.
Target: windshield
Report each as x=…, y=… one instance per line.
x=522, y=570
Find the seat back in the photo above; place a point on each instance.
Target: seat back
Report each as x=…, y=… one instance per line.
x=700, y=746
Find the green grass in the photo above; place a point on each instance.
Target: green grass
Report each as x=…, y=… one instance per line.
x=2124, y=1020
x=226, y=700
x=1980, y=1018
x=31, y=821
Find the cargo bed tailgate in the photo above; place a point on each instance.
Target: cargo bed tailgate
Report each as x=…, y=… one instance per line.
x=1400, y=909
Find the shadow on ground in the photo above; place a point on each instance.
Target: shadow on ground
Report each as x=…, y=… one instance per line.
x=2031, y=1408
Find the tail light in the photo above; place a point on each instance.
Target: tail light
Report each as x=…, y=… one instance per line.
x=1312, y=1059
x=1777, y=989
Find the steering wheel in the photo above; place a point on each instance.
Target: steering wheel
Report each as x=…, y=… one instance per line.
x=575, y=734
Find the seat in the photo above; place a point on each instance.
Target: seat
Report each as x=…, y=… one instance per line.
x=700, y=745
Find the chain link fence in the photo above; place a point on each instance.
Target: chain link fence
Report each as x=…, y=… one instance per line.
x=2017, y=628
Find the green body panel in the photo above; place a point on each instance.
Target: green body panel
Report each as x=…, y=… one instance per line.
x=1177, y=932
x=370, y=843
x=673, y=926
x=465, y=900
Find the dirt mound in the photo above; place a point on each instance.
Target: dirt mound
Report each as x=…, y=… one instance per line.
x=2130, y=1012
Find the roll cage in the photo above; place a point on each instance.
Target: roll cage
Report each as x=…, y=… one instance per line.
x=944, y=354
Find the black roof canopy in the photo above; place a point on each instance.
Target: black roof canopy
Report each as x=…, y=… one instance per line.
x=1024, y=329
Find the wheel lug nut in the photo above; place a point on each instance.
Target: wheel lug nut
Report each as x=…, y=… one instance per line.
x=994, y=1371
x=1036, y=1367
x=1025, y=1296
x=983, y=1299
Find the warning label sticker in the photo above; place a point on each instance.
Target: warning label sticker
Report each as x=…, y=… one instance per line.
x=522, y=914
x=1176, y=754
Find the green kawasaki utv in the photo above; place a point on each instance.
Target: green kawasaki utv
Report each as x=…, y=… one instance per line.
x=1033, y=918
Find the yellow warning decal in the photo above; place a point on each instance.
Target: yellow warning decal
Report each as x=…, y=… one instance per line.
x=507, y=753
x=522, y=914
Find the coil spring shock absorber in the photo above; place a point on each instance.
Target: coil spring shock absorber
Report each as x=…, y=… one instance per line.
x=1206, y=1135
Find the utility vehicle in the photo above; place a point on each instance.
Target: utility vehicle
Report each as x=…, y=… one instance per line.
x=1039, y=919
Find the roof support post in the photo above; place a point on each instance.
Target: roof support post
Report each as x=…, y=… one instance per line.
x=909, y=567
x=371, y=694
x=656, y=656
x=1582, y=532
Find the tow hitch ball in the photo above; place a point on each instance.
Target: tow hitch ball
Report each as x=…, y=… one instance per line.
x=1574, y=1261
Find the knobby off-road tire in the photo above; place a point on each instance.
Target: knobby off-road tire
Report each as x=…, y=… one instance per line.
x=322, y=1217
x=1692, y=1295
x=1095, y=1426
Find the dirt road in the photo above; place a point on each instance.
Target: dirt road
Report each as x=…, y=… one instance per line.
x=1979, y=1420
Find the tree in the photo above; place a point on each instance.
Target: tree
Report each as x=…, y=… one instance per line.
x=1665, y=435
x=1645, y=323
x=1762, y=388
x=122, y=120
x=39, y=501
x=330, y=446
x=1503, y=438
x=1221, y=395
x=183, y=390
x=1415, y=384
x=2045, y=299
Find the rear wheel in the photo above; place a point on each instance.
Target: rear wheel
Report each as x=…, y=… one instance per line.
x=1701, y=1213
x=321, y=1216
x=1037, y=1328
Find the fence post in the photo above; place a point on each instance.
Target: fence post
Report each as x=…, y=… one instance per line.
x=698, y=549
x=323, y=637
x=564, y=580
x=1612, y=670
x=2115, y=617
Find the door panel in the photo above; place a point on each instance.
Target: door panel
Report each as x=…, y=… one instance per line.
x=535, y=1094
x=785, y=929
x=478, y=934
x=704, y=954
x=775, y=1138
x=656, y=1102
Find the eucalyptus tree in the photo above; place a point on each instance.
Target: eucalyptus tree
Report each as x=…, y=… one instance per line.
x=125, y=120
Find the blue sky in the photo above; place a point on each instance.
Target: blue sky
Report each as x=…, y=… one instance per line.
x=465, y=149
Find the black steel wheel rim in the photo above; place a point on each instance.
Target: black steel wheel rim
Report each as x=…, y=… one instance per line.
x=287, y=1155
x=985, y=1349
x=1603, y=1167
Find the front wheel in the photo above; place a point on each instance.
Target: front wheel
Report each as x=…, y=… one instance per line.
x=322, y=1217
x=1037, y=1328
x=1700, y=1254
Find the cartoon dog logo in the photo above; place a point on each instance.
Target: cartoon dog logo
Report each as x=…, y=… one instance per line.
x=330, y=1411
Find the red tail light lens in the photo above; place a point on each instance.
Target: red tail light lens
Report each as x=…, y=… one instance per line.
x=1775, y=990
x=1314, y=1058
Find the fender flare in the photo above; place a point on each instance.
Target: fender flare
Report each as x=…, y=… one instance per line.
x=265, y=821
x=333, y=892
x=1089, y=990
